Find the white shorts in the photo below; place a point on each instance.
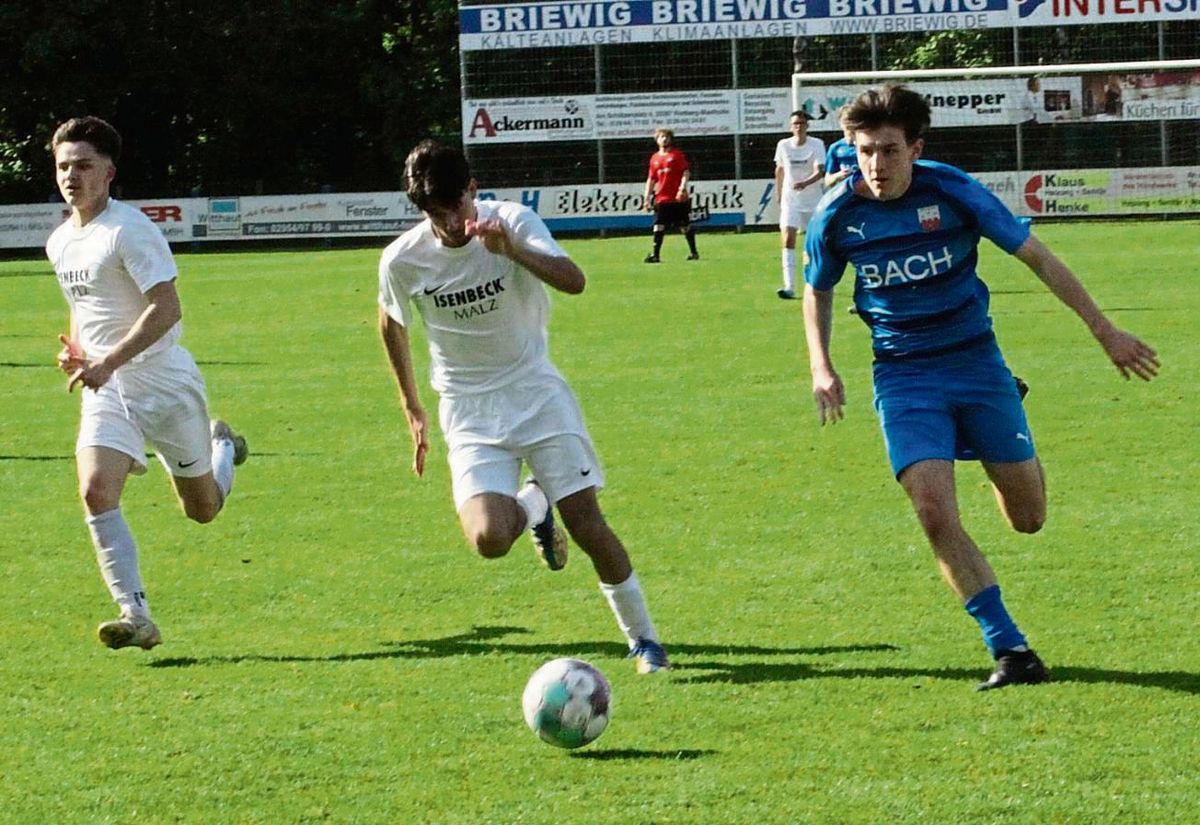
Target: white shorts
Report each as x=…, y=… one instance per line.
x=794, y=213
x=536, y=421
x=161, y=401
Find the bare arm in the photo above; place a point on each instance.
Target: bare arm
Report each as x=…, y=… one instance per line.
x=1127, y=352
x=162, y=312
x=647, y=196
x=827, y=388
x=559, y=271
x=682, y=194
x=395, y=343
x=818, y=173
x=778, y=184
x=834, y=177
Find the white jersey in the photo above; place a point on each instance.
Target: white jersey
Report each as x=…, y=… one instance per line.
x=484, y=315
x=104, y=269
x=798, y=162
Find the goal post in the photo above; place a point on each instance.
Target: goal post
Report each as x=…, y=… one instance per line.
x=1078, y=139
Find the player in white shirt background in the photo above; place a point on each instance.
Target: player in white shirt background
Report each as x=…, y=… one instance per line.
x=799, y=167
x=476, y=272
x=137, y=384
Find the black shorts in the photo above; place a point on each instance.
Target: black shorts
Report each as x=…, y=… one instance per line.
x=673, y=213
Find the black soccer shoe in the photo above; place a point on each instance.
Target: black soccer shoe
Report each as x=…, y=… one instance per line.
x=1013, y=668
x=651, y=259
x=1022, y=387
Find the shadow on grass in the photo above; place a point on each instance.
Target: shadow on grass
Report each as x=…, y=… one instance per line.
x=485, y=640
x=669, y=755
x=696, y=663
x=752, y=673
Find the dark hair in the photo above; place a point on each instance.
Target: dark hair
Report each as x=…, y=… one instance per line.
x=436, y=175
x=800, y=113
x=99, y=133
x=891, y=105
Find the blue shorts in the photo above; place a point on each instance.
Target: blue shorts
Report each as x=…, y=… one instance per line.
x=960, y=405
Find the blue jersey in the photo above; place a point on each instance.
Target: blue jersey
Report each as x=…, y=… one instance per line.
x=841, y=155
x=914, y=257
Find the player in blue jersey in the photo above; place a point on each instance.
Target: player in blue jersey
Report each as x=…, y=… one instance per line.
x=841, y=160
x=911, y=230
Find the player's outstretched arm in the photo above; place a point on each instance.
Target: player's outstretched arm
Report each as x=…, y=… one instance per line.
x=1129, y=353
x=828, y=392
x=395, y=342
x=558, y=271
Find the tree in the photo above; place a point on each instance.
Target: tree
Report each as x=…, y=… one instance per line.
x=229, y=97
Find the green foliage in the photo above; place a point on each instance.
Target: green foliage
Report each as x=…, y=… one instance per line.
x=231, y=97
x=334, y=652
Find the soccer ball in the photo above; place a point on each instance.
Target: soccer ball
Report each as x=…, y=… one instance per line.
x=566, y=703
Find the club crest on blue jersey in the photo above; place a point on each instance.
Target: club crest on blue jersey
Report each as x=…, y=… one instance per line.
x=930, y=218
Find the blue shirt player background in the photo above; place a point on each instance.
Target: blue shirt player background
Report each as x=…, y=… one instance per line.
x=841, y=157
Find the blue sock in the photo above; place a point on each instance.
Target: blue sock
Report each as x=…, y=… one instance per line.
x=999, y=630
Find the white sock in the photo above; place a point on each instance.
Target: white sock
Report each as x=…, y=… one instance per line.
x=789, y=269
x=629, y=606
x=116, y=554
x=533, y=501
x=222, y=459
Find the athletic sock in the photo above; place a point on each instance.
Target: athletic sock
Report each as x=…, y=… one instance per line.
x=658, y=239
x=116, y=553
x=789, y=269
x=222, y=459
x=691, y=239
x=1000, y=632
x=532, y=499
x=629, y=606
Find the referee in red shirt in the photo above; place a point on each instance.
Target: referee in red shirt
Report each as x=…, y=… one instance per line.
x=667, y=193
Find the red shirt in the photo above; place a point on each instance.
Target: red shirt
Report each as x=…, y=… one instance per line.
x=666, y=170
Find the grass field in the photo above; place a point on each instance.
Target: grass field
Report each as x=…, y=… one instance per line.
x=334, y=651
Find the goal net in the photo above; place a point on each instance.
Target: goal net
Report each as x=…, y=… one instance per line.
x=1080, y=139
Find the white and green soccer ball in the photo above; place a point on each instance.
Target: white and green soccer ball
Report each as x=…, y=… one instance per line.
x=566, y=703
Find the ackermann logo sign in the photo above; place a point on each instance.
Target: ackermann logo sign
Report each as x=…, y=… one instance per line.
x=497, y=123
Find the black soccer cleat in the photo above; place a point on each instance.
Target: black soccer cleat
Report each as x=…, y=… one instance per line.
x=651, y=259
x=694, y=256
x=1016, y=668
x=1022, y=387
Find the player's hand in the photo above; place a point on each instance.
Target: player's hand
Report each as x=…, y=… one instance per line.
x=90, y=374
x=830, y=396
x=648, y=205
x=71, y=357
x=493, y=233
x=798, y=185
x=682, y=195
x=418, y=428
x=1130, y=354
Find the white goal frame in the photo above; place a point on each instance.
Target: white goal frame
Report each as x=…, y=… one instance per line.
x=801, y=80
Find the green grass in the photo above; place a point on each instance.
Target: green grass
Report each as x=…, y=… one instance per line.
x=335, y=652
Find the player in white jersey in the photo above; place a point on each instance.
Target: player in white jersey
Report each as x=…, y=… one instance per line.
x=138, y=384
x=475, y=271
x=799, y=165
